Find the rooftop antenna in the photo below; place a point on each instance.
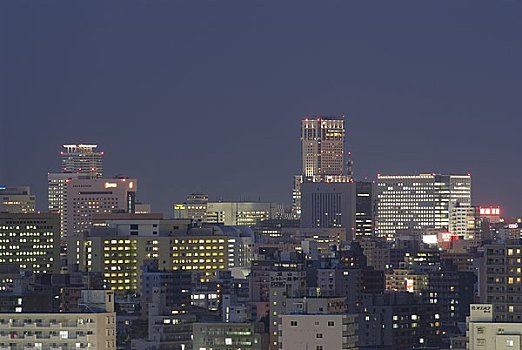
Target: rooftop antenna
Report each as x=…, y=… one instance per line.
x=349, y=165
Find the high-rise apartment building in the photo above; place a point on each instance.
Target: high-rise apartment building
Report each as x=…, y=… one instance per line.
x=322, y=154
x=16, y=200
x=500, y=280
x=82, y=159
x=419, y=202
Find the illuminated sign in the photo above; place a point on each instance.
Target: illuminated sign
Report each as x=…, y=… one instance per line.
x=429, y=239
x=489, y=210
x=513, y=226
x=111, y=185
x=446, y=236
x=131, y=184
x=409, y=285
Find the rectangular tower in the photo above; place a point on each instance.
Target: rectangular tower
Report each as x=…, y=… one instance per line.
x=322, y=144
x=419, y=202
x=322, y=154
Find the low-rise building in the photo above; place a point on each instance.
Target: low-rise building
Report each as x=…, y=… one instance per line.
x=93, y=328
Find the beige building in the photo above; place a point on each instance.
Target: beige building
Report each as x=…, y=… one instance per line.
x=95, y=328
x=318, y=332
x=484, y=333
x=16, y=200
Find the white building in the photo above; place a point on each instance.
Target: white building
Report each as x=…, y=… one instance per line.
x=419, y=202
x=484, y=333
x=95, y=328
x=17, y=200
x=318, y=332
x=57, y=196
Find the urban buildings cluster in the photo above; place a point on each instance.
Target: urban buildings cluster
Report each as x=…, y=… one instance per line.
x=399, y=262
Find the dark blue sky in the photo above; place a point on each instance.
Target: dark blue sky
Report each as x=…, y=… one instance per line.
x=208, y=95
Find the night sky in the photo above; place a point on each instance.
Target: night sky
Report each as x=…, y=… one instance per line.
x=208, y=95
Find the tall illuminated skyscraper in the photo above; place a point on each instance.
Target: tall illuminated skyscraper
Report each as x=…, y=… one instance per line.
x=322, y=154
x=82, y=159
x=322, y=145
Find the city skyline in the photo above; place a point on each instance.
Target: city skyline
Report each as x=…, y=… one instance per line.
x=270, y=175
x=446, y=104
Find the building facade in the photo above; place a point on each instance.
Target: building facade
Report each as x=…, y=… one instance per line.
x=30, y=242
x=328, y=205
x=17, y=200
x=419, y=202
x=95, y=328
x=364, y=209
x=322, y=154
x=82, y=159
x=318, y=332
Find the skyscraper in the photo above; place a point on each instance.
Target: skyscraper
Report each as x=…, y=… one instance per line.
x=82, y=159
x=78, y=161
x=419, y=202
x=57, y=196
x=322, y=154
x=322, y=146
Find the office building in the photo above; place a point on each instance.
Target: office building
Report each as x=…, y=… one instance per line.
x=322, y=154
x=329, y=205
x=318, y=332
x=120, y=248
x=29, y=242
x=57, y=197
x=322, y=146
x=364, y=209
x=417, y=203
x=242, y=213
x=82, y=159
x=93, y=328
x=483, y=332
x=89, y=197
x=16, y=200
x=195, y=207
